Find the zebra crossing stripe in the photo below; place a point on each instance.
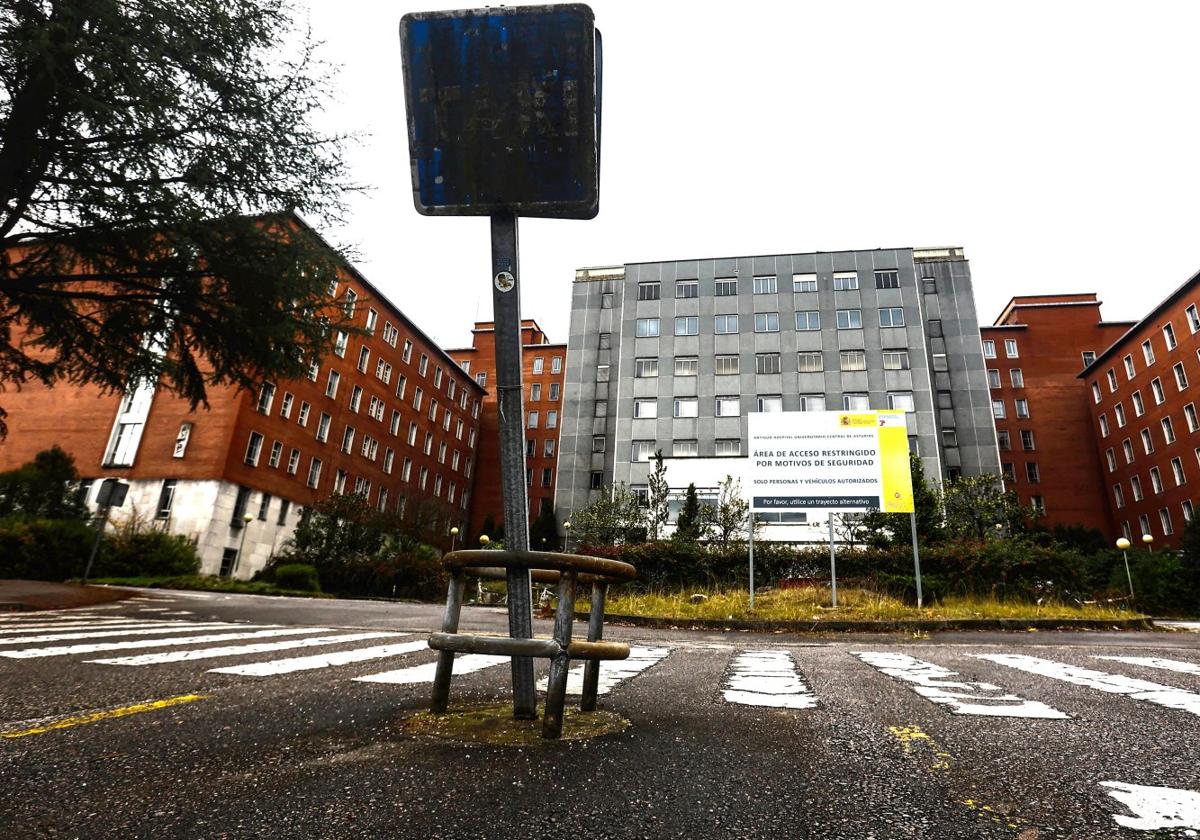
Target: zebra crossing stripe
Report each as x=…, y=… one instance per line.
x=66, y=650
x=964, y=698
x=237, y=650
x=65, y=626
x=322, y=660
x=1150, y=692
x=612, y=672
x=1156, y=662
x=1156, y=808
x=424, y=673
x=141, y=630
x=767, y=678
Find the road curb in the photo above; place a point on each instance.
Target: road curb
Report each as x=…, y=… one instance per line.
x=877, y=626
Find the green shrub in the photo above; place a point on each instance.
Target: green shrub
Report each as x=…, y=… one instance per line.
x=131, y=551
x=44, y=549
x=298, y=576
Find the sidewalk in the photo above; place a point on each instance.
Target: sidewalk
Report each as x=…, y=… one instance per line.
x=44, y=595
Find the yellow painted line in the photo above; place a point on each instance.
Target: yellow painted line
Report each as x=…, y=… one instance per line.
x=107, y=714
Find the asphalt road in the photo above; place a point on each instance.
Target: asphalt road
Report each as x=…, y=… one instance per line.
x=731, y=734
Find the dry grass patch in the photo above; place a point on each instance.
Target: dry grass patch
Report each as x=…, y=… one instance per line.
x=854, y=604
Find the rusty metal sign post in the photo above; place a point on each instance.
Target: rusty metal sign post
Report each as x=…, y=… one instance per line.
x=504, y=121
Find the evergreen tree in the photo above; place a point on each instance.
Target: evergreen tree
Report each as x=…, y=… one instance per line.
x=689, y=527
x=657, y=509
x=47, y=487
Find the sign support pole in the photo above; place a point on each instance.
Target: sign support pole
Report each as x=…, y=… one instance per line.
x=832, y=561
x=912, y=518
x=506, y=304
x=751, y=559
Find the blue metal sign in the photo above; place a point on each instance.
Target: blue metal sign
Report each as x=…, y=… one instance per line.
x=504, y=110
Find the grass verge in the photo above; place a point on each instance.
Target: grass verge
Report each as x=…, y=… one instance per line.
x=208, y=583
x=813, y=604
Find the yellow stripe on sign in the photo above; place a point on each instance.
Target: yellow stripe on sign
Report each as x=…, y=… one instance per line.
x=95, y=717
x=893, y=461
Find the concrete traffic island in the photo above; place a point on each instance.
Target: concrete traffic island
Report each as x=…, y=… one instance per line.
x=17, y=595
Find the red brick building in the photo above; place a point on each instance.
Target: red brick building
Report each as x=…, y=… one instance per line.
x=1033, y=354
x=1142, y=392
x=542, y=374
x=388, y=415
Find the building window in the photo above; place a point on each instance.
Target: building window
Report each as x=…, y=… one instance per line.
x=166, y=498
x=285, y=405
x=849, y=319
x=765, y=322
x=418, y=398
x=1038, y=504
x=767, y=363
x=606, y=300
x=1188, y=512
x=728, y=407
x=812, y=402
x=770, y=404
x=687, y=289
x=1129, y=370
x=949, y=437
x=1157, y=389
x=1193, y=319
x=1168, y=332
x=687, y=325
x=929, y=285
x=685, y=448
x=406, y=353
x=601, y=376
x=891, y=316
x=1097, y=395
x=1003, y=440
x=323, y=427
x=554, y=389
x=1139, y=407
x=331, y=385
x=685, y=407
x=347, y=439
x=1009, y=474
x=845, y=281
x=901, y=401
x=1135, y=482
x=1177, y=472
x=1027, y=440
x=729, y=447
x=547, y=476
x=1032, y=472
x=643, y=450
x=804, y=282
x=887, y=279
x=1181, y=380
x=725, y=324
x=1111, y=376
x=293, y=463
x=648, y=290
x=725, y=287
x=852, y=360
x=601, y=409
x=605, y=342
x=1119, y=495
x=998, y=409
x=1089, y=356
x=645, y=328
x=598, y=443
x=266, y=396
x=1119, y=413
x=895, y=360
x=314, y=472
x=481, y=379
x=1111, y=458
x=856, y=402
x=276, y=454
x=1010, y=348
x=356, y=398
x=645, y=368
x=1022, y=409
x=993, y=378
x=1144, y=523
x=989, y=349
x=810, y=361
x=551, y=419
x=1103, y=425
x=533, y=420
x=686, y=366
x=1017, y=377
x=1189, y=414
x=808, y=320
x=765, y=285
x=547, y=448
x=1148, y=352
x=1156, y=481
x=1164, y=517
x=556, y=364
x=595, y=480
x=726, y=365
x=1168, y=429
x=364, y=357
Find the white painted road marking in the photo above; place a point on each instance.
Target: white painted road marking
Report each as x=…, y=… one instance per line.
x=323, y=660
x=1156, y=808
x=1157, y=662
x=237, y=650
x=1151, y=692
x=141, y=630
x=612, y=672
x=424, y=673
x=964, y=698
x=65, y=650
x=66, y=626
x=1193, y=626
x=768, y=678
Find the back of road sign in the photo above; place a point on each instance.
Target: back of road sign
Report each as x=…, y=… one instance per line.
x=504, y=111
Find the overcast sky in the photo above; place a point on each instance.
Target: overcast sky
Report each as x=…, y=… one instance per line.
x=1058, y=143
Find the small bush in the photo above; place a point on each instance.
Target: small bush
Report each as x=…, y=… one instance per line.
x=44, y=549
x=133, y=552
x=297, y=576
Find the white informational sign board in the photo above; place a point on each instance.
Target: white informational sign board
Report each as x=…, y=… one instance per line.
x=829, y=461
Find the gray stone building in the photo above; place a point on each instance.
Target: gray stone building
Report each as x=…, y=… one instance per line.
x=674, y=355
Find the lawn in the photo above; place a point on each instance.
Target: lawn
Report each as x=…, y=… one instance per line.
x=208, y=583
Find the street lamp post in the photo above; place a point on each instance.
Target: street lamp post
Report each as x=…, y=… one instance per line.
x=237, y=561
x=567, y=536
x=1123, y=544
x=453, y=536
x=1148, y=539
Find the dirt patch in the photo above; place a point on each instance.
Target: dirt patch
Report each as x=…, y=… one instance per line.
x=44, y=595
x=493, y=724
